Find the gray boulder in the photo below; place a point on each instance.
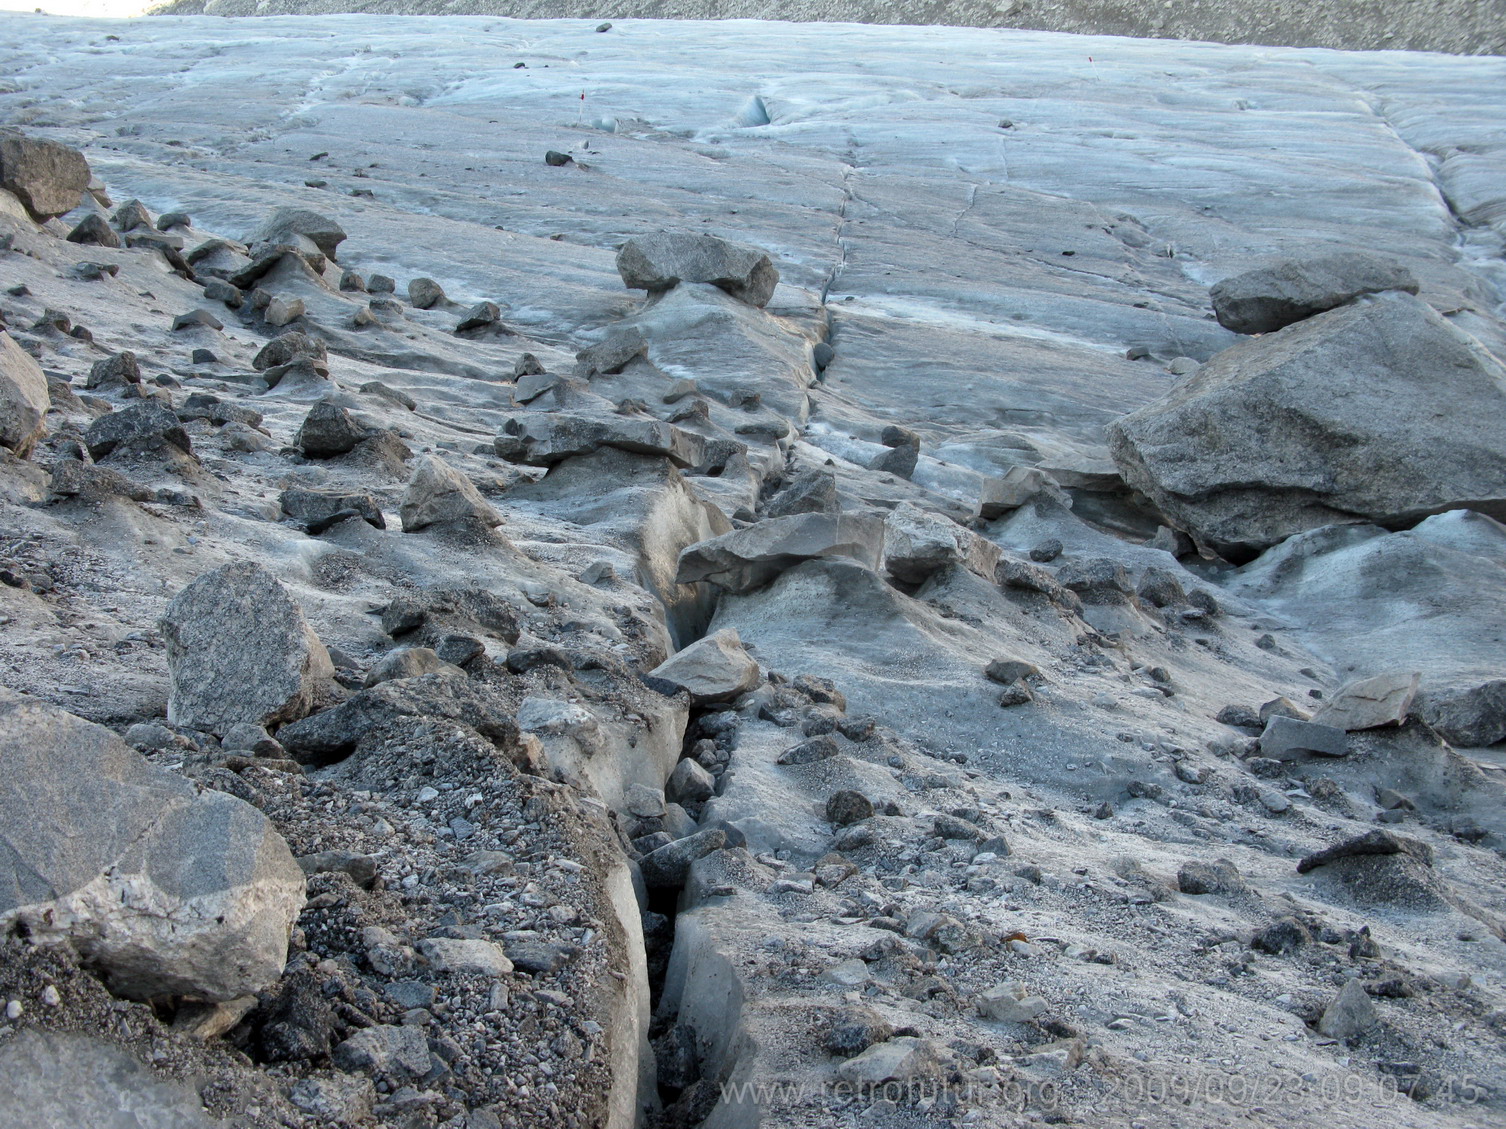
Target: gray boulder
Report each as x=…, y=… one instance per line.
x=289, y=347
x=410, y=662
x=1269, y=297
x=118, y=368
x=1371, y=703
x=668, y=867
x=918, y=543
x=239, y=650
x=662, y=261
x=288, y=225
x=48, y=178
x=714, y=669
x=1378, y=411
x=811, y=492
x=613, y=354
x=439, y=495
x=24, y=399
x=328, y=430
x=331, y=734
x=1284, y=736
x=165, y=889
x=95, y=229
x=400, y=1054
x=748, y=558
x=1217, y=877
x=141, y=428
x=545, y=439
x=425, y=293
x=690, y=783
x=1351, y=1013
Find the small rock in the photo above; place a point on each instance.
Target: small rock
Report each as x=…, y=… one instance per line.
x=386, y=1051
x=479, y=316
x=1009, y=1002
x=282, y=311
x=847, y=807
x=462, y=956
x=439, y=495
x=895, y=1060
x=1218, y=877
x=854, y=1029
x=690, y=783
x=1350, y=1013
x=1007, y=671
x=1282, y=936
x=197, y=319
x=425, y=293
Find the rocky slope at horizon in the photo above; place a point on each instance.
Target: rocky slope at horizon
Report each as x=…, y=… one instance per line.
x=748, y=685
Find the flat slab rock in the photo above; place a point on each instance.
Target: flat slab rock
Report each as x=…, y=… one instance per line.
x=543, y=440
x=664, y=260
x=1277, y=294
x=1371, y=703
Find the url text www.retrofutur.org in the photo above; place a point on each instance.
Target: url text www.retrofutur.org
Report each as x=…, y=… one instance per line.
x=1268, y=1090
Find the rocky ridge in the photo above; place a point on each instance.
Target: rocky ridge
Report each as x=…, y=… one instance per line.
x=703, y=709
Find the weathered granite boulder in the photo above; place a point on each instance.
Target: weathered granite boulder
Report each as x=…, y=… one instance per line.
x=165, y=889
x=1378, y=411
x=47, y=177
x=239, y=650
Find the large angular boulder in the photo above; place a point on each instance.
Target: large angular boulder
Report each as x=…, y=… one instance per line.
x=662, y=261
x=543, y=440
x=288, y=225
x=48, y=178
x=23, y=397
x=714, y=669
x=1277, y=294
x=438, y=494
x=239, y=650
x=162, y=888
x=142, y=428
x=1378, y=411
x=918, y=543
x=747, y=558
